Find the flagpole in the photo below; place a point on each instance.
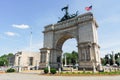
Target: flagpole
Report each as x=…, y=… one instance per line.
x=30, y=40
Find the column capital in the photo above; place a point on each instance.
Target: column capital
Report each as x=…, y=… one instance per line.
x=84, y=44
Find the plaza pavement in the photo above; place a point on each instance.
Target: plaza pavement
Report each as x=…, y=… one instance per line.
x=37, y=76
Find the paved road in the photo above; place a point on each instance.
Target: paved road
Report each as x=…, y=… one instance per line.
x=31, y=76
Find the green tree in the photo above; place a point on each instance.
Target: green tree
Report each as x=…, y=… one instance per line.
x=74, y=57
x=71, y=58
x=103, y=61
x=108, y=59
x=4, y=59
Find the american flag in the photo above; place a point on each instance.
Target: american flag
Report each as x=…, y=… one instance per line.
x=88, y=8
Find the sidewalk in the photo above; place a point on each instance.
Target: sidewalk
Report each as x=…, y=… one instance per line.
x=27, y=76
x=32, y=71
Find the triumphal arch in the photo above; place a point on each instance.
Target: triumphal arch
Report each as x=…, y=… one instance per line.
x=84, y=29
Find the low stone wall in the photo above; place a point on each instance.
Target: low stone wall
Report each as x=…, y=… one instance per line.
x=110, y=69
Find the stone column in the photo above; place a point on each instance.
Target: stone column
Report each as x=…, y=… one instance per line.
x=45, y=55
x=84, y=53
x=65, y=61
x=113, y=57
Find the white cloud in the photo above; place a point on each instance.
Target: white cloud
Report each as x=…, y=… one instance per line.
x=21, y=26
x=10, y=33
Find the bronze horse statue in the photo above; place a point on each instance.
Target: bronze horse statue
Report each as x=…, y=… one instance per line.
x=67, y=16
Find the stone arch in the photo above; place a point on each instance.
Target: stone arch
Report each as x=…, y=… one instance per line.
x=84, y=29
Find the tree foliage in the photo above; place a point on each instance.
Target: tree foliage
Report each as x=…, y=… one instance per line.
x=108, y=59
x=4, y=59
x=71, y=58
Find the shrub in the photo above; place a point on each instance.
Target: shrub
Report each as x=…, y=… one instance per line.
x=88, y=73
x=67, y=72
x=73, y=72
x=45, y=70
x=53, y=70
x=61, y=73
x=83, y=72
x=79, y=73
x=10, y=70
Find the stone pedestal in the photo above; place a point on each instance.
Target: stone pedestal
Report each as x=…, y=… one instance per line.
x=44, y=57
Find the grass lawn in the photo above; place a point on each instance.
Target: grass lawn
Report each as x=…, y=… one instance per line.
x=88, y=73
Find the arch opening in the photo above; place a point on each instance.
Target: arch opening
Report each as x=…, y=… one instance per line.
x=61, y=41
x=69, y=51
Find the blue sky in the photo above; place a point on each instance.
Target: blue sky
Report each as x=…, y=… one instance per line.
x=17, y=17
